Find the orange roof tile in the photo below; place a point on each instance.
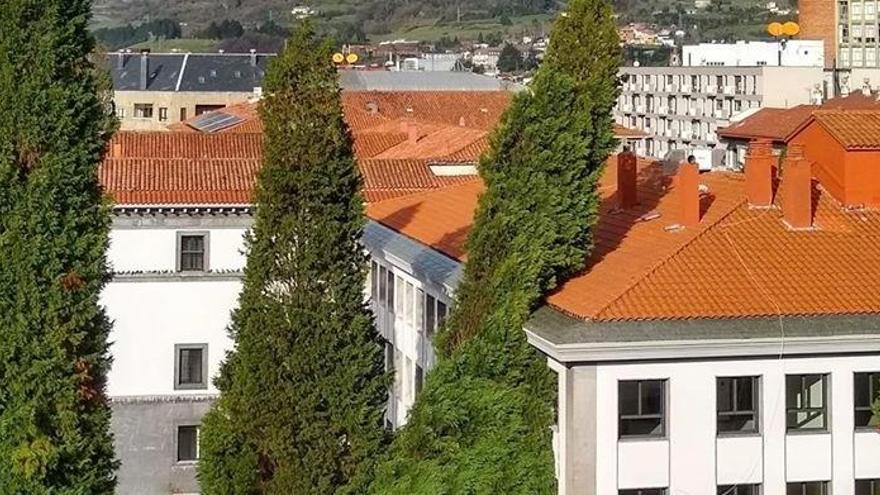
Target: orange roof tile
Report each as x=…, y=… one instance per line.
x=739, y=262
x=445, y=141
x=854, y=129
x=134, y=144
x=853, y=101
x=777, y=124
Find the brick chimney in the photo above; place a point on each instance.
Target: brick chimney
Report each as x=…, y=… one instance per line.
x=626, y=179
x=797, y=179
x=688, y=187
x=145, y=69
x=759, y=173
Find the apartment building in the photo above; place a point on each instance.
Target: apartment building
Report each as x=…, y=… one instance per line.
x=848, y=28
x=681, y=108
x=792, y=53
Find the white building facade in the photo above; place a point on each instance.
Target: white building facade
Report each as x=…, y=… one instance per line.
x=701, y=413
x=792, y=53
x=681, y=108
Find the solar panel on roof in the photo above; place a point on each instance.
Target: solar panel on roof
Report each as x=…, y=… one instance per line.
x=215, y=121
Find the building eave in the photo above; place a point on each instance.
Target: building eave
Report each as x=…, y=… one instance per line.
x=569, y=340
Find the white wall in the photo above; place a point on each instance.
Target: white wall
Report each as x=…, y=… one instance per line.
x=155, y=249
x=149, y=318
x=689, y=457
x=797, y=53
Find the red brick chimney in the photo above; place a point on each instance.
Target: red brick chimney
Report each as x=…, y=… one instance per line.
x=759, y=173
x=626, y=179
x=411, y=130
x=688, y=186
x=797, y=179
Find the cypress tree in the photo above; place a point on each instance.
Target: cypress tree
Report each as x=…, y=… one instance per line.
x=54, y=229
x=303, y=392
x=482, y=423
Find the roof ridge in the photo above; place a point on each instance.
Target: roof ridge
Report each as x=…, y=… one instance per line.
x=666, y=259
x=427, y=192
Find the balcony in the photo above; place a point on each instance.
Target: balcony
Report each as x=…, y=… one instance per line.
x=663, y=110
x=626, y=107
x=640, y=108
x=729, y=90
x=693, y=112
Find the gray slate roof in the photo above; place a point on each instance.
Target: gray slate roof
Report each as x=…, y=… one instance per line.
x=236, y=72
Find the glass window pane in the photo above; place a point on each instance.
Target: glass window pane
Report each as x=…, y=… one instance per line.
x=187, y=443
x=420, y=310
x=409, y=303
x=383, y=284
x=628, y=398
x=390, y=299
x=441, y=314
x=725, y=394
x=430, y=315
x=793, y=391
x=815, y=387
x=744, y=394
x=652, y=397
x=641, y=427
x=862, y=391
x=190, y=366
x=814, y=488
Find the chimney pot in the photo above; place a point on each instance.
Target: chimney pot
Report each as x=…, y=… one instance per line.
x=253, y=57
x=372, y=108
x=462, y=122
x=759, y=173
x=797, y=178
x=626, y=179
x=688, y=185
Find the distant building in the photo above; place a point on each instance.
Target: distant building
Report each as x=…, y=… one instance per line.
x=487, y=58
x=793, y=53
x=848, y=28
x=681, y=108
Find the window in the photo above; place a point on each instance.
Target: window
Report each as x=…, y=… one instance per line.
x=190, y=366
x=187, y=443
x=868, y=487
x=430, y=315
x=641, y=406
x=182, y=114
x=867, y=391
x=739, y=490
x=441, y=314
x=806, y=402
x=383, y=284
x=374, y=281
x=389, y=356
x=200, y=109
x=644, y=491
x=737, y=401
x=420, y=378
x=120, y=112
x=163, y=114
x=389, y=281
x=143, y=110
x=807, y=488
x=192, y=253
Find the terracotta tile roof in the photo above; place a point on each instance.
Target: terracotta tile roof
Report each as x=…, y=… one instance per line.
x=739, y=262
x=145, y=181
x=777, y=124
x=854, y=129
x=368, y=145
x=853, y=101
x=133, y=144
x=445, y=141
x=469, y=153
x=473, y=109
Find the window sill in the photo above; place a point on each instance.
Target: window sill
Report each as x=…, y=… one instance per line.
x=739, y=434
x=186, y=464
x=797, y=433
x=190, y=388
x=643, y=438
x=868, y=429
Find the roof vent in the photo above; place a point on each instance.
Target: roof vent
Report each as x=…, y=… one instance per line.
x=201, y=79
x=462, y=122
x=213, y=73
x=372, y=107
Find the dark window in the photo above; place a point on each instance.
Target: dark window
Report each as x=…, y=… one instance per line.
x=430, y=315
x=420, y=378
x=143, y=110
x=739, y=490
x=382, y=284
x=163, y=114
x=191, y=366
x=182, y=114
x=807, y=488
x=389, y=357
x=390, y=287
x=187, y=443
x=641, y=406
x=374, y=281
x=867, y=391
x=737, y=402
x=192, y=253
x=200, y=109
x=441, y=314
x=806, y=402
x=868, y=487
x=643, y=491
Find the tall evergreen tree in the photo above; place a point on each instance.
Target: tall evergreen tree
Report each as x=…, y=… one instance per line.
x=482, y=423
x=54, y=228
x=304, y=391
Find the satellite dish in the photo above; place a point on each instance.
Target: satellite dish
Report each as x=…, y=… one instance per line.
x=338, y=58
x=351, y=58
x=775, y=29
x=791, y=29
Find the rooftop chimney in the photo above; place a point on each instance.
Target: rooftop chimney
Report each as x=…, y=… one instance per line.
x=253, y=57
x=411, y=130
x=866, y=87
x=120, y=60
x=797, y=178
x=462, y=122
x=145, y=69
x=372, y=107
x=688, y=186
x=626, y=179
x=759, y=173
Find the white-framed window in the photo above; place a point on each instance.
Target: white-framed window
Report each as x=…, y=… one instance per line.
x=739, y=490
x=143, y=110
x=163, y=114
x=738, y=401
x=867, y=487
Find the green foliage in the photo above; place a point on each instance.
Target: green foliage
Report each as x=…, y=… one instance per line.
x=125, y=36
x=54, y=227
x=510, y=59
x=304, y=390
x=482, y=423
